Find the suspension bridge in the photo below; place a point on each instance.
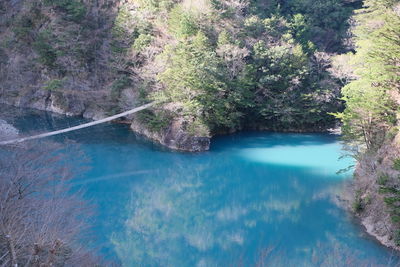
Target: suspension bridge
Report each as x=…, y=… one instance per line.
x=78, y=127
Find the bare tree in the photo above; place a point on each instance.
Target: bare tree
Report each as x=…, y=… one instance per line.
x=342, y=69
x=42, y=222
x=234, y=58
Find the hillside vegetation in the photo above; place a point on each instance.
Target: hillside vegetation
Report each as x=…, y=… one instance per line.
x=371, y=118
x=219, y=66
x=225, y=65
x=216, y=66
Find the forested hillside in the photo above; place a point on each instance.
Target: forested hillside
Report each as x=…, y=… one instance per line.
x=215, y=66
x=54, y=55
x=370, y=120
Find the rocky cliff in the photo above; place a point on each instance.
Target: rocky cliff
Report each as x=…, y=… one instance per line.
x=53, y=56
x=376, y=193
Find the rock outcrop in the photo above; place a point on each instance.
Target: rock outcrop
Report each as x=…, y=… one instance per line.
x=174, y=136
x=374, y=173
x=7, y=131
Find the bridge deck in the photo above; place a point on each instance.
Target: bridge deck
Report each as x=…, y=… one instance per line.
x=85, y=125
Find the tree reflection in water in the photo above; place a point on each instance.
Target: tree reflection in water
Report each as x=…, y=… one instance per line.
x=227, y=210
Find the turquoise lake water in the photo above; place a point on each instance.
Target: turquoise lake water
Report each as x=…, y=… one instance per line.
x=254, y=198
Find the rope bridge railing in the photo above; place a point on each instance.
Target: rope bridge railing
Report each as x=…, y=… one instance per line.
x=78, y=127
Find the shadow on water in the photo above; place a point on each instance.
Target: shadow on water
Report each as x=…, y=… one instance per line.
x=255, y=197
x=270, y=139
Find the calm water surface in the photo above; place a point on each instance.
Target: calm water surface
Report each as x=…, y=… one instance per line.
x=254, y=198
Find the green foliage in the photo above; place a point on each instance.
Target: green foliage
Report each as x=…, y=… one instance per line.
x=182, y=23
x=23, y=27
x=300, y=30
x=118, y=85
x=75, y=10
x=25, y=24
x=142, y=42
x=286, y=95
x=123, y=23
x=326, y=20
x=396, y=164
x=42, y=45
x=156, y=5
x=392, y=133
x=224, y=11
x=198, y=128
x=370, y=110
x=383, y=179
x=149, y=4
x=392, y=201
x=195, y=79
x=124, y=31
x=225, y=67
x=143, y=93
x=264, y=8
x=357, y=204
x=155, y=121
x=388, y=190
x=253, y=26
x=275, y=26
x=224, y=38
x=130, y=32
x=53, y=85
x=260, y=67
x=282, y=65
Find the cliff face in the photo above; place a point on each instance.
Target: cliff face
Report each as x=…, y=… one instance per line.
x=376, y=192
x=376, y=188
x=53, y=56
x=175, y=136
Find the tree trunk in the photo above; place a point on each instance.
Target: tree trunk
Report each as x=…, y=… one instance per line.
x=11, y=250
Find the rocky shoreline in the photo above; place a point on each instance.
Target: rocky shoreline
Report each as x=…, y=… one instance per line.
x=65, y=104
x=174, y=136
x=364, y=199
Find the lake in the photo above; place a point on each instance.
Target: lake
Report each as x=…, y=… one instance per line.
x=254, y=199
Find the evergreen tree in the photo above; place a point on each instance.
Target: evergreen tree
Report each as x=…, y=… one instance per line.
x=370, y=107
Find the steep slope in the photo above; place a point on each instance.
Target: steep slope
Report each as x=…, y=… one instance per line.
x=376, y=192
x=54, y=55
x=371, y=119
x=214, y=66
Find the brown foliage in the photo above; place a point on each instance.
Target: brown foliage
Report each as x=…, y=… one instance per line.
x=41, y=221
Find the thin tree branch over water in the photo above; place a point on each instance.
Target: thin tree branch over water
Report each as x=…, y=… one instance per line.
x=42, y=222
